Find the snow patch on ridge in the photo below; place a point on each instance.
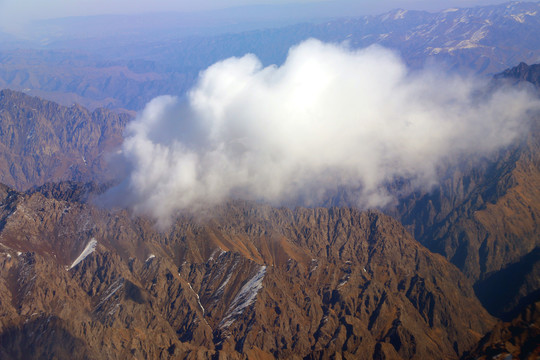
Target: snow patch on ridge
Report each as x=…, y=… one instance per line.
x=245, y=297
x=221, y=289
x=150, y=257
x=520, y=18
x=198, y=298
x=111, y=290
x=221, y=252
x=400, y=14
x=87, y=251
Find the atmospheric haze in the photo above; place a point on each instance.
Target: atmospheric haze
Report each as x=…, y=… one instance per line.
x=329, y=118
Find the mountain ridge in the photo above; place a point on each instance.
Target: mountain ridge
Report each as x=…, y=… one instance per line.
x=484, y=218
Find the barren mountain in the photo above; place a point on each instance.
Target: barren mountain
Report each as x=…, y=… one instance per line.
x=484, y=218
x=42, y=141
x=242, y=281
x=522, y=73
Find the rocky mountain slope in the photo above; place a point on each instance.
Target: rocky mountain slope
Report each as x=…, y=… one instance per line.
x=42, y=141
x=484, y=218
x=242, y=281
x=513, y=292
x=522, y=73
x=517, y=339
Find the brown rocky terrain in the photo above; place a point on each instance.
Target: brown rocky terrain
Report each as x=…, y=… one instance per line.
x=484, y=218
x=41, y=141
x=518, y=339
x=242, y=281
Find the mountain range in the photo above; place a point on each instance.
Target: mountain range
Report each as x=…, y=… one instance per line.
x=446, y=272
x=247, y=280
x=118, y=69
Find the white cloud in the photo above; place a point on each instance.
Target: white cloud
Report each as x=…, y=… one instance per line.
x=328, y=118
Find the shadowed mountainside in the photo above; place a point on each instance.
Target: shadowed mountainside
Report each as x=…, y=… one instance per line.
x=484, y=218
x=517, y=339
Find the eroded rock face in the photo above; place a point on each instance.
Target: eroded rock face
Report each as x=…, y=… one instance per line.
x=484, y=217
x=246, y=281
x=522, y=73
x=41, y=141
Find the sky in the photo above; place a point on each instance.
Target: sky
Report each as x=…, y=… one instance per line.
x=14, y=13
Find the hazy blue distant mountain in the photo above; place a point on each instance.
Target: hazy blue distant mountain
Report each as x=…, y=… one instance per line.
x=153, y=55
